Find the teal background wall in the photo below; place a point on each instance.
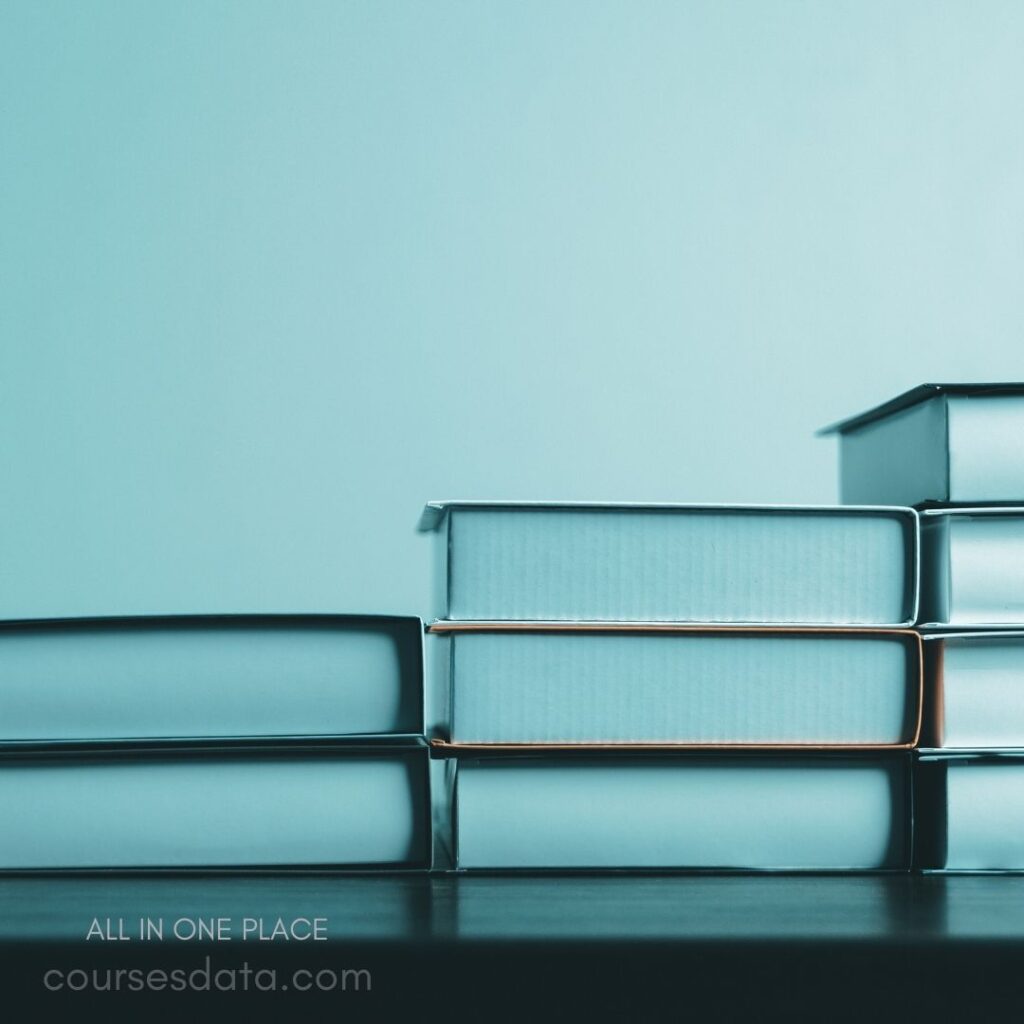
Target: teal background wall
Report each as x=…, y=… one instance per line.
x=273, y=274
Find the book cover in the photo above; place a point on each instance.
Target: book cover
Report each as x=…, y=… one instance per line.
x=210, y=677
x=570, y=684
x=937, y=443
x=676, y=563
x=755, y=813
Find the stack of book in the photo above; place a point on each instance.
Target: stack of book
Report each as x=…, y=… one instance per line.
x=956, y=452
x=673, y=686
x=614, y=686
x=212, y=742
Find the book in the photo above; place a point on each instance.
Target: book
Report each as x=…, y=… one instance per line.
x=955, y=443
x=972, y=567
x=568, y=684
x=974, y=690
x=196, y=677
x=729, y=812
x=676, y=563
x=179, y=808
x=970, y=809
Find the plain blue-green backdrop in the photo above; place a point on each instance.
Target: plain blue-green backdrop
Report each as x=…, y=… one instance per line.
x=273, y=274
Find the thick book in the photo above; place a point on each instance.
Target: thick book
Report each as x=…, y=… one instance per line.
x=198, y=677
x=181, y=808
x=755, y=813
x=974, y=690
x=954, y=443
x=972, y=567
x=969, y=810
x=566, y=684
x=676, y=563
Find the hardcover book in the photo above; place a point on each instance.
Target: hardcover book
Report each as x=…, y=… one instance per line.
x=200, y=808
x=957, y=443
x=220, y=677
x=676, y=563
x=974, y=690
x=569, y=684
x=754, y=813
x=970, y=809
x=972, y=567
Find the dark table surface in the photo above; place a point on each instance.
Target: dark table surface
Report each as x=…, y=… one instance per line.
x=628, y=947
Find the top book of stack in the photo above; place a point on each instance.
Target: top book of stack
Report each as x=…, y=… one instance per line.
x=937, y=444
x=776, y=565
